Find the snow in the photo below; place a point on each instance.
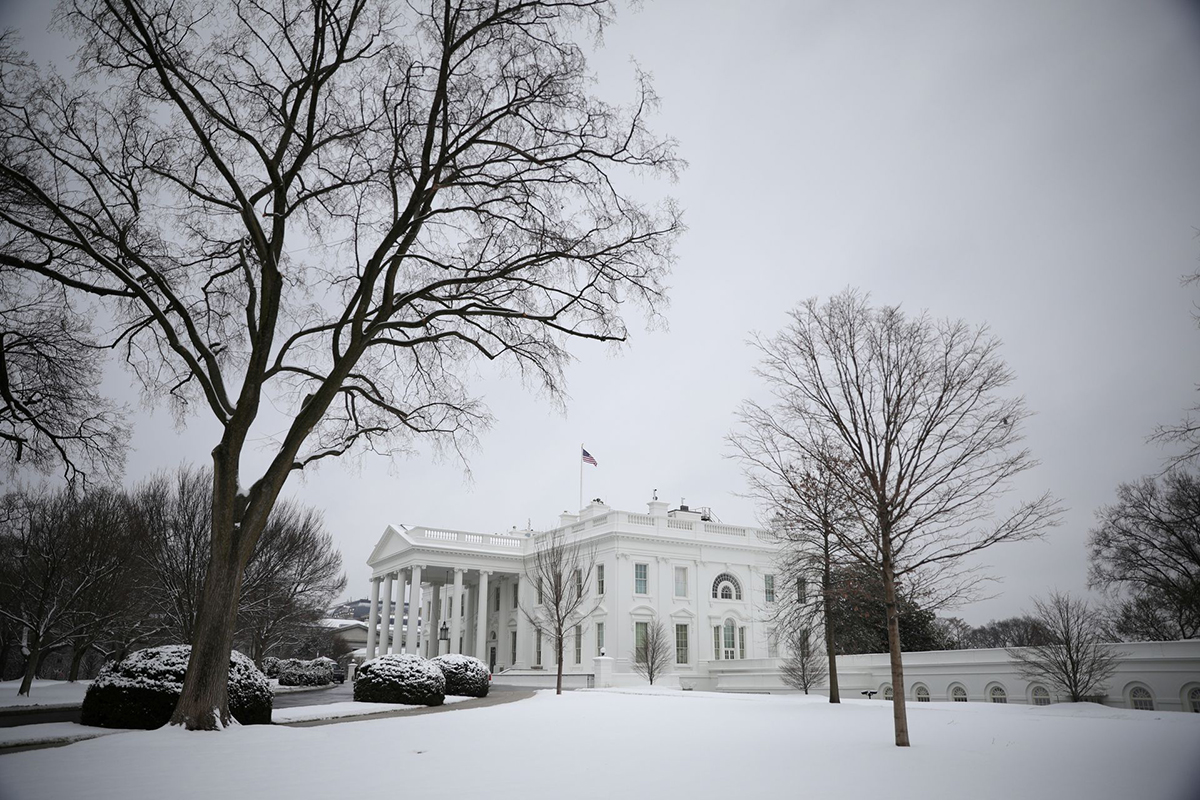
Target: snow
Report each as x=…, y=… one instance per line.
x=50, y=733
x=47, y=694
x=599, y=744
x=277, y=689
x=344, y=710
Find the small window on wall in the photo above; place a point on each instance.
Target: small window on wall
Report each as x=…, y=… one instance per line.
x=998, y=695
x=640, y=631
x=681, y=582
x=599, y=638
x=497, y=596
x=1194, y=700
x=1141, y=699
x=539, y=587
x=741, y=642
x=578, y=645
x=599, y=579
x=641, y=579
x=922, y=694
x=514, y=647
x=769, y=587
x=726, y=587
x=958, y=694
x=1041, y=696
x=681, y=644
x=537, y=653
x=888, y=694
x=579, y=583
x=772, y=644
x=516, y=594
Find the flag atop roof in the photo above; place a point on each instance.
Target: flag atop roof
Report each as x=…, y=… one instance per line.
x=588, y=459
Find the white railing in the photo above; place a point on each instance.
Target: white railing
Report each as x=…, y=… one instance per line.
x=600, y=520
x=680, y=524
x=641, y=519
x=727, y=530
x=465, y=537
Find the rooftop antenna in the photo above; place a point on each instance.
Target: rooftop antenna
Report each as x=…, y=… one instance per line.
x=655, y=495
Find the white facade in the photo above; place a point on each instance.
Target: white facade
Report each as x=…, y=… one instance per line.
x=707, y=582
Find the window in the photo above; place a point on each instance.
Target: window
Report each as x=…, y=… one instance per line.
x=717, y=642
x=958, y=694
x=998, y=695
x=516, y=594
x=496, y=597
x=1141, y=699
x=1041, y=696
x=681, y=644
x=578, y=645
x=579, y=583
x=599, y=638
x=537, y=653
x=640, y=631
x=640, y=571
x=741, y=642
x=888, y=694
x=726, y=587
x=769, y=587
x=772, y=644
x=1194, y=700
x=681, y=582
x=514, y=648
x=802, y=590
x=729, y=651
x=922, y=694
x=539, y=584
x=599, y=579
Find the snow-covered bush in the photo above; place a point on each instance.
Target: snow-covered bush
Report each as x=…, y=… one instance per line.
x=270, y=666
x=142, y=690
x=400, y=678
x=465, y=675
x=297, y=672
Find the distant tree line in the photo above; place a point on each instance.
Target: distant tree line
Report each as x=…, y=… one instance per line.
x=88, y=575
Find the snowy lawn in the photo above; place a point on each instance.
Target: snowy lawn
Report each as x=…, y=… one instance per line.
x=344, y=710
x=51, y=733
x=44, y=693
x=601, y=744
x=277, y=689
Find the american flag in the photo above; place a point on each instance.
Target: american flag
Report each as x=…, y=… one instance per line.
x=588, y=459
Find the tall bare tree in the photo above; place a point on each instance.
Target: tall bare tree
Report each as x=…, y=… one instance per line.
x=1076, y=661
x=561, y=574
x=805, y=667
x=1145, y=548
x=653, y=651
x=809, y=512
x=920, y=412
x=331, y=207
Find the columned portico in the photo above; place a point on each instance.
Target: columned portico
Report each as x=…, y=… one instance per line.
x=373, y=618
x=456, y=612
x=386, y=615
x=414, y=612
x=481, y=616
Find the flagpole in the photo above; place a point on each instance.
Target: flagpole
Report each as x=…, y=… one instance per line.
x=581, y=476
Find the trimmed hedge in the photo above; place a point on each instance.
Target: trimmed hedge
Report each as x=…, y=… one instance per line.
x=297, y=672
x=400, y=678
x=142, y=690
x=466, y=676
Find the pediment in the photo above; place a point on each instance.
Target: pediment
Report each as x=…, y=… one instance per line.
x=391, y=543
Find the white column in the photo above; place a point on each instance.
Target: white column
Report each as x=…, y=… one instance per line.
x=456, y=615
x=524, y=634
x=385, y=615
x=435, y=623
x=398, y=635
x=481, y=617
x=414, y=612
x=373, y=618
x=503, y=638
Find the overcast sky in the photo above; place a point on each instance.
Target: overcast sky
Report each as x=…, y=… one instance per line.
x=1031, y=165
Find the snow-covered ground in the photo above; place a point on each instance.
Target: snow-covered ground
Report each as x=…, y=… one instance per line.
x=44, y=693
x=277, y=689
x=601, y=744
x=51, y=733
x=343, y=710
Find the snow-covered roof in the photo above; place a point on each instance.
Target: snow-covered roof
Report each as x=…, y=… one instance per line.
x=341, y=624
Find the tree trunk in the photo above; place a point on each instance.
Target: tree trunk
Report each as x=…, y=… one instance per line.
x=5, y=650
x=77, y=654
x=558, y=646
x=31, y=664
x=830, y=636
x=899, y=712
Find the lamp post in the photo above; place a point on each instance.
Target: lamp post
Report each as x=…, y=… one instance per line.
x=443, y=636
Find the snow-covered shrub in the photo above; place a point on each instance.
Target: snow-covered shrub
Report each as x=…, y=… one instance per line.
x=400, y=678
x=297, y=672
x=465, y=675
x=142, y=690
x=271, y=666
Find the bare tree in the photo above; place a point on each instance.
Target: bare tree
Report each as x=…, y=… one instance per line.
x=918, y=410
x=561, y=573
x=1145, y=548
x=58, y=549
x=1076, y=662
x=805, y=666
x=653, y=650
x=1022, y=631
x=809, y=512
x=331, y=208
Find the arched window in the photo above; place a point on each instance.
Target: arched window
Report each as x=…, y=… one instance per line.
x=998, y=695
x=726, y=587
x=922, y=694
x=1041, y=696
x=888, y=694
x=1194, y=700
x=1141, y=699
x=730, y=640
x=958, y=694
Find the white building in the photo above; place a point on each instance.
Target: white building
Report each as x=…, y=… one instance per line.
x=711, y=584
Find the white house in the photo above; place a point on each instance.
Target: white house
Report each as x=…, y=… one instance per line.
x=710, y=583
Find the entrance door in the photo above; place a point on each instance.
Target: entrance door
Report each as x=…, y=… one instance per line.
x=492, y=659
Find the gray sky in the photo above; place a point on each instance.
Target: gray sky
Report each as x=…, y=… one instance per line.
x=1030, y=165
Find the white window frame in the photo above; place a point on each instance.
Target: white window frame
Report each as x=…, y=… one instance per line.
x=599, y=579
x=641, y=585
x=578, y=644
x=681, y=649
x=681, y=581
x=769, y=587
x=599, y=638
